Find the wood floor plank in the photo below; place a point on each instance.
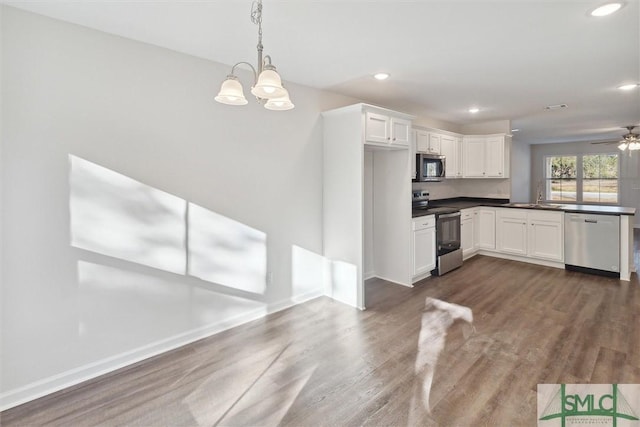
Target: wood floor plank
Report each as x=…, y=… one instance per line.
x=323, y=363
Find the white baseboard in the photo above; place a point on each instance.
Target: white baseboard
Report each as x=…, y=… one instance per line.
x=69, y=378
x=528, y=260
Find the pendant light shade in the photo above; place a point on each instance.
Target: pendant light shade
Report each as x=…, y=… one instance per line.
x=269, y=84
x=231, y=92
x=280, y=104
x=622, y=146
x=267, y=88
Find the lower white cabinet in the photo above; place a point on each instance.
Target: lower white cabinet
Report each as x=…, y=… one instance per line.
x=486, y=232
x=511, y=231
x=531, y=233
x=546, y=236
x=424, y=245
x=468, y=220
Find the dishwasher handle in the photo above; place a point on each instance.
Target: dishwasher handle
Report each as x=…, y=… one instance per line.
x=591, y=221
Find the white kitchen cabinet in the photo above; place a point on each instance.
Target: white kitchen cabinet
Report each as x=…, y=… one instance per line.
x=546, y=235
x=530, y=233
x=366, y=188
x=511, y=231
x=424, y=245
x=427, y=142
x=451, y=148
x=384, y=129
x=474, y=151
x=486, y=233
x=434, y=143
x=377, y=127
x=468, y=231
x=485, y=157
x=495, y=157
x=400, y=131
x=422, y=140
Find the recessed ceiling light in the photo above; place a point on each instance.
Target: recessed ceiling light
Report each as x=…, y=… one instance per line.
x=381, y=76
x=555, y=107
x=474, y=110
x=606, y=9
x=629, y=86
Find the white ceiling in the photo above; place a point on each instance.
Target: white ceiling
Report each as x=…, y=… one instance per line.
x=508, y=57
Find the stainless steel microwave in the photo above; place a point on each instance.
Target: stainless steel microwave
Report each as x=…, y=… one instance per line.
x=429, y=167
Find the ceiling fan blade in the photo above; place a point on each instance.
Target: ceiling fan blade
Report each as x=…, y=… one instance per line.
x=607, y=142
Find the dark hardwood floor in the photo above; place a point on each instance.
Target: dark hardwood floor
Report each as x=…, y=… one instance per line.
x=323, y=363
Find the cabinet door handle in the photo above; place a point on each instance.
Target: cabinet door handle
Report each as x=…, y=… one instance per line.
x=388, y=138
x=394, y=139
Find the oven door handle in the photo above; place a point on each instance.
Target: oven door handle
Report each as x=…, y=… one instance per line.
x=451, y=215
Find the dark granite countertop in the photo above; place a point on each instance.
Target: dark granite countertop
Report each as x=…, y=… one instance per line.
x=468, y=202
x=472, y=202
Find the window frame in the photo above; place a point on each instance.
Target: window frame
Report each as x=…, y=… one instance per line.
x=546, y=180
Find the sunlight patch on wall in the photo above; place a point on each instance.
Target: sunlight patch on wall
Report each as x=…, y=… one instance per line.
x=119, y=309
x=309, y=271
x=225, y=251
x=344, y=282
x=114, y=215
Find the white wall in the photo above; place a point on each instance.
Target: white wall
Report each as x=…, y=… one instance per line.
x=137, y=213
x=486, y=128
x=520, y=172
x=629, y=168
x=492, y=188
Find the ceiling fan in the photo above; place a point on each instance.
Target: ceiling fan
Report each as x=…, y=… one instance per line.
x=629, y=140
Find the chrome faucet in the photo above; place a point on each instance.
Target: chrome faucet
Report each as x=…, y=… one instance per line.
x=539, y=198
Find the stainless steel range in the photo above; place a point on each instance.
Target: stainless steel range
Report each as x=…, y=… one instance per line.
x=448, y=250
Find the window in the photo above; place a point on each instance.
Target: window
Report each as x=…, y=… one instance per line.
x=561, y=175
x=588, y=178
x=600, y=178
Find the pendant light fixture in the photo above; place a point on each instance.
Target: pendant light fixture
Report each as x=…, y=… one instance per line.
x=267, y=87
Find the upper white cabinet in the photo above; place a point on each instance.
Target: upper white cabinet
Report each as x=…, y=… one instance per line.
x=485, y=156
x=400, y=131
x=427, y=142
x=451, y=148
x=366, y=210
x=385, y=129
x=434, y=143
x=475, y=156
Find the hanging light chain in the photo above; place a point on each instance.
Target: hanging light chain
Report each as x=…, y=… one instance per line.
x=256, y=18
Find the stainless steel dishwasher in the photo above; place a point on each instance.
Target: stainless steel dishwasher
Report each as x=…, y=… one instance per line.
x=592, y=242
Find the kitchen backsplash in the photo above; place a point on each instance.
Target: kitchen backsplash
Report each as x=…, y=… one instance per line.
x=493, y=188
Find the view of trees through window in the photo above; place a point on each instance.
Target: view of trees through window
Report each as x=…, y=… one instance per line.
x=600, y=178
x=591, y=178
x=562, y=178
